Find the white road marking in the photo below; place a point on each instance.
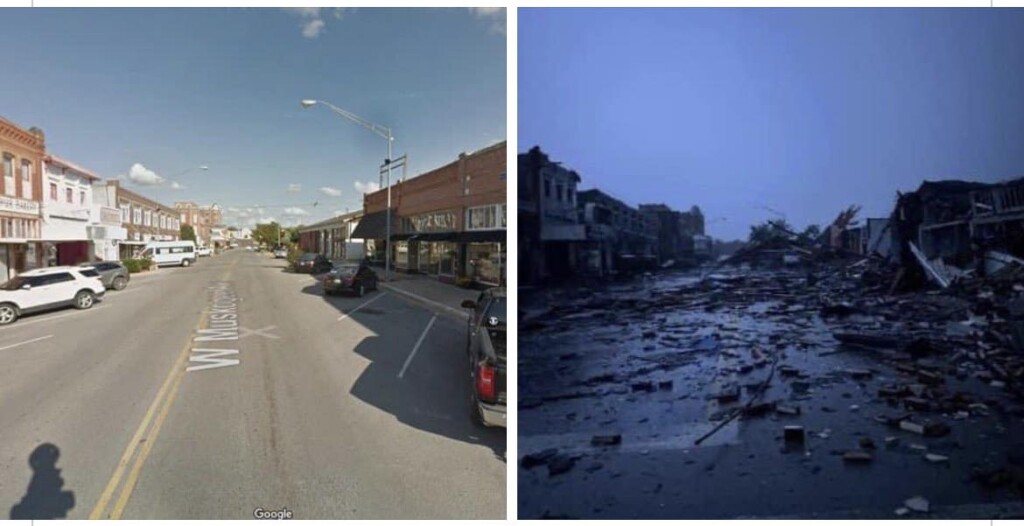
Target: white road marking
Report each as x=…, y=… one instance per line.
x=25, y=342
x=243, y=332
x=417, y=346
x=349, y=313
x=457, y=312
x=19, y=324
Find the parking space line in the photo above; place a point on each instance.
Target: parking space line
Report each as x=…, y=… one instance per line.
x=457, y=312
x=25, y=342
x=349, y=313
x=19, y=324
x=417, y=346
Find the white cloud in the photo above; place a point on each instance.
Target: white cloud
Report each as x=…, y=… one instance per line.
x=494, y=15
x=141, y=175
x=333, y=192
x=295, y=211
x=233, y=210
x=312, y=28
x=294, y=188
x=366, y=188
x=303, y=11
x=313, y=22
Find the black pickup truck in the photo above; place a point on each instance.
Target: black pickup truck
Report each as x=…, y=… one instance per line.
x=485, y=349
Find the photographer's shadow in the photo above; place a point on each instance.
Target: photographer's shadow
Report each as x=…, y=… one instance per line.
x=44, y=498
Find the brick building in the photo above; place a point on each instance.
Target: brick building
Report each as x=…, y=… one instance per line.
x=449, y=222
x=21, y=153
x=201, y=218
x=144, y=219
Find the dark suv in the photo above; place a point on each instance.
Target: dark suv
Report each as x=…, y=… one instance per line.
x=113, y=274
x=312, y=263
x=485, y=348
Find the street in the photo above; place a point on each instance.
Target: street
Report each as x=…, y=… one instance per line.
x=213, y=391
x=619, y=384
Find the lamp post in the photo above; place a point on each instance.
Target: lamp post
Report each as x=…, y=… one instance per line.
x=385, y=133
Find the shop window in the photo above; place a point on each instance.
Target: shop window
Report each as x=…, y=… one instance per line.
x=486, y=262
x=483, y=218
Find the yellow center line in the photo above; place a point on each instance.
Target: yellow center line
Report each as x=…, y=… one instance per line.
x=162, y=404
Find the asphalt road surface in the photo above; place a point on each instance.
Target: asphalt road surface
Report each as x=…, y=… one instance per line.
x=214, y=391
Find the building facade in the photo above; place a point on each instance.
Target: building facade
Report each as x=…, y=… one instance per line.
x=619, y=237
x=550, y=232
x=333, y=237
x=143, y=219
x=21, y=153
x=449, y=222
x=201, y=218
x=67, y=207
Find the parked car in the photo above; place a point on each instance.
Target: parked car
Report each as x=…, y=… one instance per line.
x=204, y=251
x=485, y=348
x=171, y=253
x=281, y=253
x=312, y=263
x=49, y=288
x=113, y=274
x=350, y=277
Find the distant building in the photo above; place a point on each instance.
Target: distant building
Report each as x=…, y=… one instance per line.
x=202, y=219
x=143, y=219
x=333, y=237
x=619, y=237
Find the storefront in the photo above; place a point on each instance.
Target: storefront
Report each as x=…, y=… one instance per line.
x=19, y=236
x=485, y=243
x=437, y=255
x=373, y=228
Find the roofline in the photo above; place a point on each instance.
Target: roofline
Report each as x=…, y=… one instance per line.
x=50, y=158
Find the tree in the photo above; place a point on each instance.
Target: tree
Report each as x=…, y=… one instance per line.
x=770, y=231
x=267, y=233
x=810, y=233
x=188, y=233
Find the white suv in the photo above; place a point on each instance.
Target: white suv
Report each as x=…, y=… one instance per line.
x=48, y=288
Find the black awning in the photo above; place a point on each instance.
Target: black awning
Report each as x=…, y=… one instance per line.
x=434, y=236
x=481, y=236
x=374, y=226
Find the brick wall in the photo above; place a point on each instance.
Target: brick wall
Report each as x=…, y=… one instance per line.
x=472, y=180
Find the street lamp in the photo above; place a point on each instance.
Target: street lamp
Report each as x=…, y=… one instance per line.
x=385, y=133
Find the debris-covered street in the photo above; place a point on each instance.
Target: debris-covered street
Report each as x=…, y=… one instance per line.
x=756, y=389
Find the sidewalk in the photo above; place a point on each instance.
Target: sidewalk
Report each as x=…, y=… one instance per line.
x=429, y=290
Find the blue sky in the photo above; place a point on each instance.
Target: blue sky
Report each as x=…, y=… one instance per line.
x=799, y=111
x=171, y=90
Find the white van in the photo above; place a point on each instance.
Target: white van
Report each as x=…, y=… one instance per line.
x=171, y=253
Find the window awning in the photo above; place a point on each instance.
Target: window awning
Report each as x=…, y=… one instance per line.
x=374, y=226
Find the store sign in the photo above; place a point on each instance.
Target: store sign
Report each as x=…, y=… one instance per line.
x=434, y=222
x=21, y=206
